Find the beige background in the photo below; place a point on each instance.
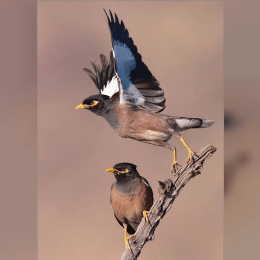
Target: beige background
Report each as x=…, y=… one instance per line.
x=182, y=44
x=242, y=142
x=18, y=130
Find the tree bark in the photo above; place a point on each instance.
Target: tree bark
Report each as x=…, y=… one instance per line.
x=168, y=191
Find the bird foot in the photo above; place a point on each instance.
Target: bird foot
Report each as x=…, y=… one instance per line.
x=175, y=163
x=145, y=213
x=127, y=243
x=190, y=156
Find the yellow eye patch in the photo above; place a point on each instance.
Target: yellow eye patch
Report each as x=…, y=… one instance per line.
x=82, y=106
x=94, y=103
x=125, y=171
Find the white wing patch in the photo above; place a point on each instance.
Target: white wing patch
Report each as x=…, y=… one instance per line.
x=146, y=183
x=134, y=95
x=125, y=62
x=111, y=88
x=113, y=53
x=131, y=94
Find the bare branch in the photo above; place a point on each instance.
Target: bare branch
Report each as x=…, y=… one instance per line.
x=168, y=191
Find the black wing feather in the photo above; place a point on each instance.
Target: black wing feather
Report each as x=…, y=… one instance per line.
x=140, y=76
x=92, y=76
x=103, y=73
x=97, y=69
x=104, y=70
x=111, y=67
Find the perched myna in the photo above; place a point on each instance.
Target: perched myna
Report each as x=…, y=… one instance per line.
x=130, y=98
x=131, y=197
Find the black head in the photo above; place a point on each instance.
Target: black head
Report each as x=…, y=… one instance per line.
x=94, y=103
x=124, y=171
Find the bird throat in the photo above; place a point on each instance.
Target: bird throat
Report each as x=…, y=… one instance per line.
x=110, y=114
x=125, y=184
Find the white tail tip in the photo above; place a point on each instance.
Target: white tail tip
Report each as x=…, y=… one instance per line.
x=207, y=123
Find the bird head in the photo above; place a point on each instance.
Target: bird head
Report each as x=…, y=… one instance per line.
x=94, y=103
x=124, y=171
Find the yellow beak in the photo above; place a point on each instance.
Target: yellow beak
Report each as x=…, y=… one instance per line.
x=81, y=106
x=110, y=170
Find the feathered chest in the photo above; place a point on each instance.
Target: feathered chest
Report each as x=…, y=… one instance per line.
x=138, y=121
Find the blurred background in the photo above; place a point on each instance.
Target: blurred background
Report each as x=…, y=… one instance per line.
x=182, y=44
x=241, y=77
x=18, y=131
x=18, y=186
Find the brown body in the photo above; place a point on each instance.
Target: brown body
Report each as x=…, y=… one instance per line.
x=129, y=200
x=142, y=125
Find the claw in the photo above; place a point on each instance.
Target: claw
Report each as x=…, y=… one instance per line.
x=173, y=164
x=174, y=160
x=190, y=152
x=145, y=213
x=127, y=238
x=190, y=156
x=127, y=243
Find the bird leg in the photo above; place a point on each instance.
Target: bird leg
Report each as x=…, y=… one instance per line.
x=127, y=238
x=174, y=160
x=145, y=213
x=189, y=150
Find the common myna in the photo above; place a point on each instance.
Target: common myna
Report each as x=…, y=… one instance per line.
x=131, y=197
x=130, y=98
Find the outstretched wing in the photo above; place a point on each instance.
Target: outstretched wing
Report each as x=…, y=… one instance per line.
x=104, y=76
x=136, y=82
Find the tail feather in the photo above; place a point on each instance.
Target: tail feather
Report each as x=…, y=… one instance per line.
x=184, y=123
x=207, y=123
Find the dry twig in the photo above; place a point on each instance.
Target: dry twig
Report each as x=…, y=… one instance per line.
x=168, y=191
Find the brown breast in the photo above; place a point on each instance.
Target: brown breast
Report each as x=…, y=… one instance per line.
x=137, y=121
x=129, y=207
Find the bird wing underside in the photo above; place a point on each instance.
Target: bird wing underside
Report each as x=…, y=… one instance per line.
x=104, y=75
x=137, y=84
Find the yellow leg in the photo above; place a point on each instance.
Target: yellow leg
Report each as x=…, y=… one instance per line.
x=126, y=238
x=189, y=150
x=145, y=213
x=174, y=160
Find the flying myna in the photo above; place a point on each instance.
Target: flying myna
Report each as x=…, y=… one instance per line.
x=131, y=198
x=130, y=98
